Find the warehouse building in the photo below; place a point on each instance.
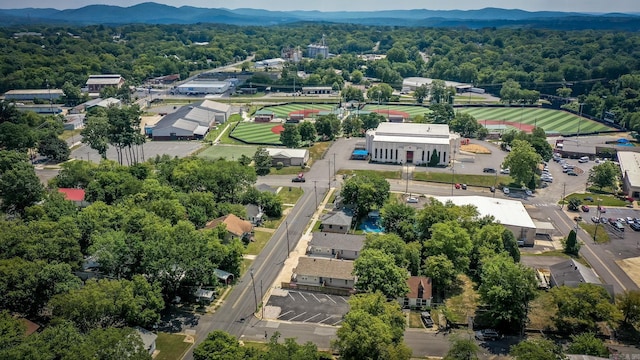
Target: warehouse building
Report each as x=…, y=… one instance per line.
x=509, y=213
x=200, y=87
x=191, y=122
x=33, y=94
x=407, y=143
x=630, y=169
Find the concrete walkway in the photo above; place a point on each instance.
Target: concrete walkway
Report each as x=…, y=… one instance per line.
x=292, y=261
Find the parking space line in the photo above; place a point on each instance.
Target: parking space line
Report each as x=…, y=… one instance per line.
x=281, y=315
x=294, y=299
x=330, y=298
x=297, y=316
x=337, y=322
x=343, y=299
x=321, y=321
x=318, y=314
x=305, y=299
x=318, y=300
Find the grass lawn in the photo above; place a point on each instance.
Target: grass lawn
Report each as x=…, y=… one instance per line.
x=465, y=304
x=67, y=134
x=541, y=311
x=261, y=238
x=257, y=133
x=601, y=237
x=282, y=111
x=229, y=152
x=471, y=180
x=553, y=121
x=607, y=200
x=318, y=149
x=290, y=196
x=287, y=170
x=260, y=346
x=246, y=265
x=560, y=253
x=414, y=319
x=412, y=110
x=390, y=174
x=275, y=223
x=171, y=346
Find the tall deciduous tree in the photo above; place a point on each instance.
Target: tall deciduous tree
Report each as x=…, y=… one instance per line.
x=399, y=219
x=421, y=93
x=307, y=131
x=262, y=161
x=507, y=288
x=604, y=175
x=290, y=136
x=453, y=241
x=537, y=349
x=522, y=161
x=442, y=272
x=371, y=120
x=328, y=126
x=54, y=148
x=365, y=192
x=351, y=93
x=110, y=303
x=19, y=185
x=376, y=271
x=379, y=93
x=462, y=349
x=571, y=245
x=465, y=124
x=372, y=329
x=580, y=308
x=629, y=303
x=587, y=344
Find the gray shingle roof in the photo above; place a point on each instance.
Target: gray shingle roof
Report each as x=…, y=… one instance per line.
x=572, y=273
x=326, y=268
x=337, y=241
x=337, y=218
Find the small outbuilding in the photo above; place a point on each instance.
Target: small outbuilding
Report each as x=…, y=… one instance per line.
x=339, y=246
x=336, y=222
x=148, y=339
x=288, y=157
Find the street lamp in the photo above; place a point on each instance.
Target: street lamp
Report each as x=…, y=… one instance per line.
x=595, y=231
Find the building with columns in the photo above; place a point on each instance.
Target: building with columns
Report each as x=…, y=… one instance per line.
x=407, y=143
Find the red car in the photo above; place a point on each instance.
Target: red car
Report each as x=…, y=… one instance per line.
x=602, y=209
x=585, y=208
x=458, y=186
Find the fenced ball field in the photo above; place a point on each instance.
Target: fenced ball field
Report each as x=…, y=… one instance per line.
x=258, y=133
x=283, y=111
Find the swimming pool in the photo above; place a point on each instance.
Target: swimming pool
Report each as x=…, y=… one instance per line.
x=371, y=226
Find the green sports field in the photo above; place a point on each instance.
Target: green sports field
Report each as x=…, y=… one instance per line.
x=257, y=133
x=552, y=121
x=229, y=152
x=282, y=111
x=411, y=110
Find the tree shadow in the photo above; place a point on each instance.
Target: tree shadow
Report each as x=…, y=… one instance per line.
x=174, y=320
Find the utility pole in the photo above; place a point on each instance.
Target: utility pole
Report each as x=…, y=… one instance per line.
x=406, y=190
x=595, y=231
x=334, y=166
x=255, y=295
x=329, y=173
x=315, y=191
x=286, y=224
x=564, y=188
x=262, y=294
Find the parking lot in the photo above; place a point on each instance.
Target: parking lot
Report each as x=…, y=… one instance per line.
x=306, y=307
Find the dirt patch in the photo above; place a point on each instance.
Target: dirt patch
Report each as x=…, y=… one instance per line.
x=520, y=126
x=632, y=267
x=277, y=129
x=475, y=148
x=392, y=112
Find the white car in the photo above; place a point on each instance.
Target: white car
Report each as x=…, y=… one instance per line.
x=412, y=200
x=505, y=190
x=505, y=171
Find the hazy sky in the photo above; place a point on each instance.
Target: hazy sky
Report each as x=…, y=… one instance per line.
x=350, y=5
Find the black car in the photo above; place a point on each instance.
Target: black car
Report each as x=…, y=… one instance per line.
x=298, y=179
x=489, y=170
x=635, y=226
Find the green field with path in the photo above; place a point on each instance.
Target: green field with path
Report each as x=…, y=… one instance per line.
x=228, y=152
x=282, y=111
x=257, y=133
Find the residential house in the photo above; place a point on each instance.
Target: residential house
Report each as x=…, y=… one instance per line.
x=336, y=222
x=148, y=339
x=236, y=227
x=419, y=295
x=254, y=214
x=324, y=272
x=339, y=246
x=571, y=273
x=288, y=157
x=74, y=195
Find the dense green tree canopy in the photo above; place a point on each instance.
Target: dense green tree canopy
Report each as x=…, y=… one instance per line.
x=581, y=307
x=377, y=271
x=365, y=192
x=604, y=175
x=523, y=161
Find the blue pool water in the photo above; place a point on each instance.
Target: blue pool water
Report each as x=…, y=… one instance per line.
x=625, y=144
x=371, y=226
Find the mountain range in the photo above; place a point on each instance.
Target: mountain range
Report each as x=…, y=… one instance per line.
x=153, y=13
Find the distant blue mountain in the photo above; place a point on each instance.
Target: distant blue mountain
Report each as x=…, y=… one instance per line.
x=153, y=13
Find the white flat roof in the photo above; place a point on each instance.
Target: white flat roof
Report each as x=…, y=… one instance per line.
x=413, y=130
x=419, y=81
x=507, y=212
x=411, y=140
x=289, y=153
x=630, y=166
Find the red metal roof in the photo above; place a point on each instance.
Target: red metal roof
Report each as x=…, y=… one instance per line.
x=72, y=194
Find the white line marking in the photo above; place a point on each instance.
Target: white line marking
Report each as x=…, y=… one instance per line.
x=312, y=317
x=294, y=299
x=281, y=315
x=297, y=316
x=330, y=298
x=305, y=299
x=315, y=298
x=321, y=321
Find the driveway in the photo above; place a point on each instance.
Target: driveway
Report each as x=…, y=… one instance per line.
x=306, y=307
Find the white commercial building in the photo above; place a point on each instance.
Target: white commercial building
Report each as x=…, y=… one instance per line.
x=412, y=83
x=198, y=87
x=402, y=143
x=509, y=213
x=630, y=169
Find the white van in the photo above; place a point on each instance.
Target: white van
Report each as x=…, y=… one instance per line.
x=584, y=159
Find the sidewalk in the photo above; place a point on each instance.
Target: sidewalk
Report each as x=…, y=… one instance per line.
x=300, y=250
